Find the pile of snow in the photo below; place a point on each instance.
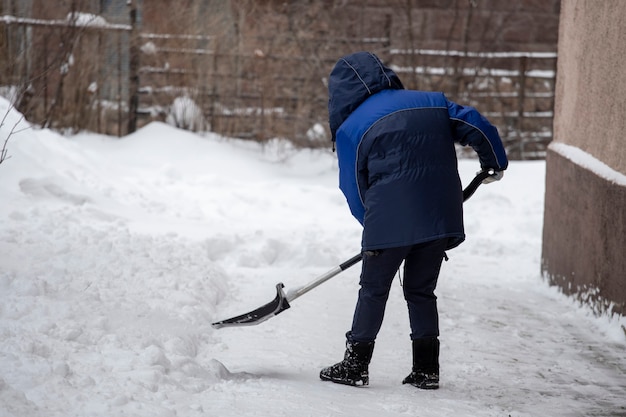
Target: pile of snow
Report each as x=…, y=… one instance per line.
x=116, y=255
x=184, y=113
x=86, y=20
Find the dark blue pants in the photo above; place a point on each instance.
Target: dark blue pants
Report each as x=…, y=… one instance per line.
x=422, y=263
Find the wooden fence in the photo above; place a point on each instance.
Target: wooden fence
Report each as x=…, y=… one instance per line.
x=259, y=94
x=514, y=90
x=270, y=97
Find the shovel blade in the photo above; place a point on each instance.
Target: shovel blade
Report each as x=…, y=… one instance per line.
x=265, y=312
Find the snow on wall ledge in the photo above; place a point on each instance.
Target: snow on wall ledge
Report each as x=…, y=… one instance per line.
x=584, y=232
x=589, y=162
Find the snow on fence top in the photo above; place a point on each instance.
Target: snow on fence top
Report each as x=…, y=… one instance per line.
x=469, y=54
x=82, y=20
x=493, y=72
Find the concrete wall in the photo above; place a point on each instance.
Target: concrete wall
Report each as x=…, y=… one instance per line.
x=591, y=81
x=584, y=236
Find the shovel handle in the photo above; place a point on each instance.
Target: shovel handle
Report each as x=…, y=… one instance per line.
x=352, y=261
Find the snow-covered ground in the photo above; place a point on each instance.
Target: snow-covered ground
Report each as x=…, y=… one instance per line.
x=117, y=254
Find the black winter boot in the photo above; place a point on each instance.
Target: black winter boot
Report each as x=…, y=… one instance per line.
x=425, y=374
x=353, y=369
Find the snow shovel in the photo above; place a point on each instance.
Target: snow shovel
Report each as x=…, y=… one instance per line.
x=281, y=302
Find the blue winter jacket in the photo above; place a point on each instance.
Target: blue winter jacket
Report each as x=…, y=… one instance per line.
x=396, y=153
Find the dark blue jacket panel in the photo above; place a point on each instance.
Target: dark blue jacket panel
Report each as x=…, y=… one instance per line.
x=398, y=170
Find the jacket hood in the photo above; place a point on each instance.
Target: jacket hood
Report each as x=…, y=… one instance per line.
x=354, y=78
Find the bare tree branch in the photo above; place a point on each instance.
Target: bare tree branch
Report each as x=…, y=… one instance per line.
x=4, y=151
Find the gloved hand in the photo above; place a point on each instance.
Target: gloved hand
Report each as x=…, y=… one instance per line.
x=496, y=176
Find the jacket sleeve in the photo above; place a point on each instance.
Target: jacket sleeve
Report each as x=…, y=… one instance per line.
x=347, y=156
x=469, y=127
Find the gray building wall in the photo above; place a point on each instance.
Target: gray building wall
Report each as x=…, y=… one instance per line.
x=584, y=234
